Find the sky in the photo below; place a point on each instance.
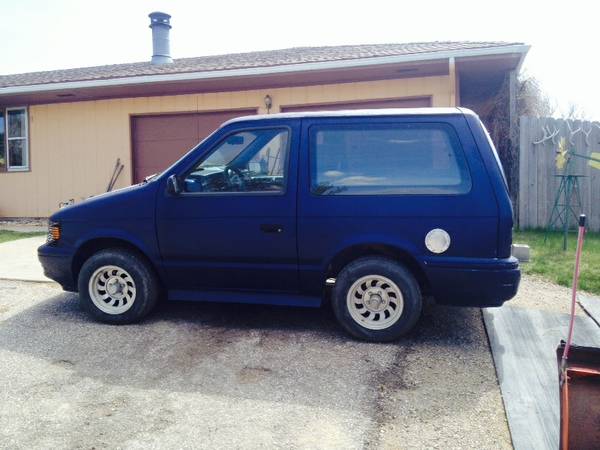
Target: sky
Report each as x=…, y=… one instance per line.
x=56, y=34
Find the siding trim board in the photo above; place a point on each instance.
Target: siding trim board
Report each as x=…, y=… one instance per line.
x=403, y=102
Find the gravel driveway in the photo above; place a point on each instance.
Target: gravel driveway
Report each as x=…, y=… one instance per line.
x=233, y=376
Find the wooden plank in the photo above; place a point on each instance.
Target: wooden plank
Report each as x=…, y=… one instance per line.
x=541, y=163
x=594, y=222
x=528, y=152
x=523, y=165
x=583, y=149
x=595, y=139
x=523, y=346
x=532, y=177
x=549, y=184
x=591, y=305
x=552, y=182
x=594, y=215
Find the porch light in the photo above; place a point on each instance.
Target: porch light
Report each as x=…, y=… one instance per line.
x=268, y=102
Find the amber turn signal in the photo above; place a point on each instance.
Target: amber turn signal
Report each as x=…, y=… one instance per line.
x=53, y=232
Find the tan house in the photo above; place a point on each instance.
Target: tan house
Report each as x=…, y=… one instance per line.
x=62, y=131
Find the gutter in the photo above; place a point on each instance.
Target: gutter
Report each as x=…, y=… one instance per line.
x=271, y=70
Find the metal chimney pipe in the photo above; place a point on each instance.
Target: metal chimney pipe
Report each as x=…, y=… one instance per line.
x=161, y=49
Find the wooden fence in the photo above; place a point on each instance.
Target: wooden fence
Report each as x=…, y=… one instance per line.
x=538, y=184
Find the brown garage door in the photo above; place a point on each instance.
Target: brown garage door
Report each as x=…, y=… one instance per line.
x=369, y=104
x=158, y=141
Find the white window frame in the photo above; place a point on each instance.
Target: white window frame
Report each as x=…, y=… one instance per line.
x=25, y=138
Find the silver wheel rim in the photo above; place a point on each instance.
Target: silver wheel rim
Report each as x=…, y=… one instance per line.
x=375, y=302
x=112, y=289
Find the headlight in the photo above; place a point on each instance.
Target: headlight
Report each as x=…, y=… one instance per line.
x=53, y=233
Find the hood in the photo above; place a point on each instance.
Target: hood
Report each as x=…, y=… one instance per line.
x=135, y=201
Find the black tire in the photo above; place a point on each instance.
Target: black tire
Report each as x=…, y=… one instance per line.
x=146, y=285
x=400, y=275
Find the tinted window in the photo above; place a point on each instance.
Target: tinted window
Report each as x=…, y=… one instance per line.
x=248, y=161
x=387, y=159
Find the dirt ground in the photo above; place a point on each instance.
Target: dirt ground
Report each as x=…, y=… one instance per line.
x=25, y=225
x=233, y=376
x=537, y=293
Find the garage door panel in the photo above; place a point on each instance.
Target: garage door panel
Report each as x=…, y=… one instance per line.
x=159, y=141
x=168, y=127
x=207, y=123
x=149, y=170
x=159, y=153
x=420, y=102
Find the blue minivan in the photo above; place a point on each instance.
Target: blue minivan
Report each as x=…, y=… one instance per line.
x=370, y=209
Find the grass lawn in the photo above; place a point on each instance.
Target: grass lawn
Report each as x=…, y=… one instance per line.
x=6, y=235
x=550, y=261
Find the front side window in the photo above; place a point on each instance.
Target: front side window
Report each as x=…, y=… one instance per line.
x=387, y=159
x=247, y=161
x=14, y=146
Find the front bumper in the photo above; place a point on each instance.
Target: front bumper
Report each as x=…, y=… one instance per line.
x=57, y=265
x=468, y=282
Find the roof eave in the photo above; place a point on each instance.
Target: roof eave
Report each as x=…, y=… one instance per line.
x=269, y=70
x=522, y=58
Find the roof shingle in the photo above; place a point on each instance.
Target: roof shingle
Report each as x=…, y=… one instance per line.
x=268, y=58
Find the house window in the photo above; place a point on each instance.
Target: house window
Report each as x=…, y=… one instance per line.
x=14, y=141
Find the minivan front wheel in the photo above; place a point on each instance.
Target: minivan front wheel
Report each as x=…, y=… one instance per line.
x=112, y=289
x=117, y=286
x=376, y=299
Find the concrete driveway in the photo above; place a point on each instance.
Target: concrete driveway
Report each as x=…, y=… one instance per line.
x=231, y=376
x=19, y=261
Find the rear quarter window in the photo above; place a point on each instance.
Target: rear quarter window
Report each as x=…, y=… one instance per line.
x=387, y=159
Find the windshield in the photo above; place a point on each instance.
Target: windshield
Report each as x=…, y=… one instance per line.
x=229, y=149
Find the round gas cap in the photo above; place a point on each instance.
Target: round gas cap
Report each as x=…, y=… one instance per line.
x=437, y=241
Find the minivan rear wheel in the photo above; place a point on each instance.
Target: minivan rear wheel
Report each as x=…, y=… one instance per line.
x=117, y=286
x=376, y=299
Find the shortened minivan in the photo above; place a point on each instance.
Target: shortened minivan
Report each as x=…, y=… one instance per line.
x=371, y=209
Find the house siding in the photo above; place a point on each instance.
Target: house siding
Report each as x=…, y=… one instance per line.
x=74, y=146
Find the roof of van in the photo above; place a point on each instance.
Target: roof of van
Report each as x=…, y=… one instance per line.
x=357, y=113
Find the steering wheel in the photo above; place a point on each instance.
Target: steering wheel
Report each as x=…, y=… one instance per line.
x=235, y=178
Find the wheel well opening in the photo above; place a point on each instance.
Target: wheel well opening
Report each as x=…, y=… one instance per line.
x=95, y=245
x=361, y=251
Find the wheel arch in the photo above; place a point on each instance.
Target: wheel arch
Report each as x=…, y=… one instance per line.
x=94, y=245
x=354, y=252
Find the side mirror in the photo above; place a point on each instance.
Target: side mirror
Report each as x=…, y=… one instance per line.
x=173, y=186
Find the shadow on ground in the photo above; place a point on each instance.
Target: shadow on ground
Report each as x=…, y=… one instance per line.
x=242, y=351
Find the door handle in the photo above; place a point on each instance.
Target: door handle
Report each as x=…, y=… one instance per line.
x=271, y=228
